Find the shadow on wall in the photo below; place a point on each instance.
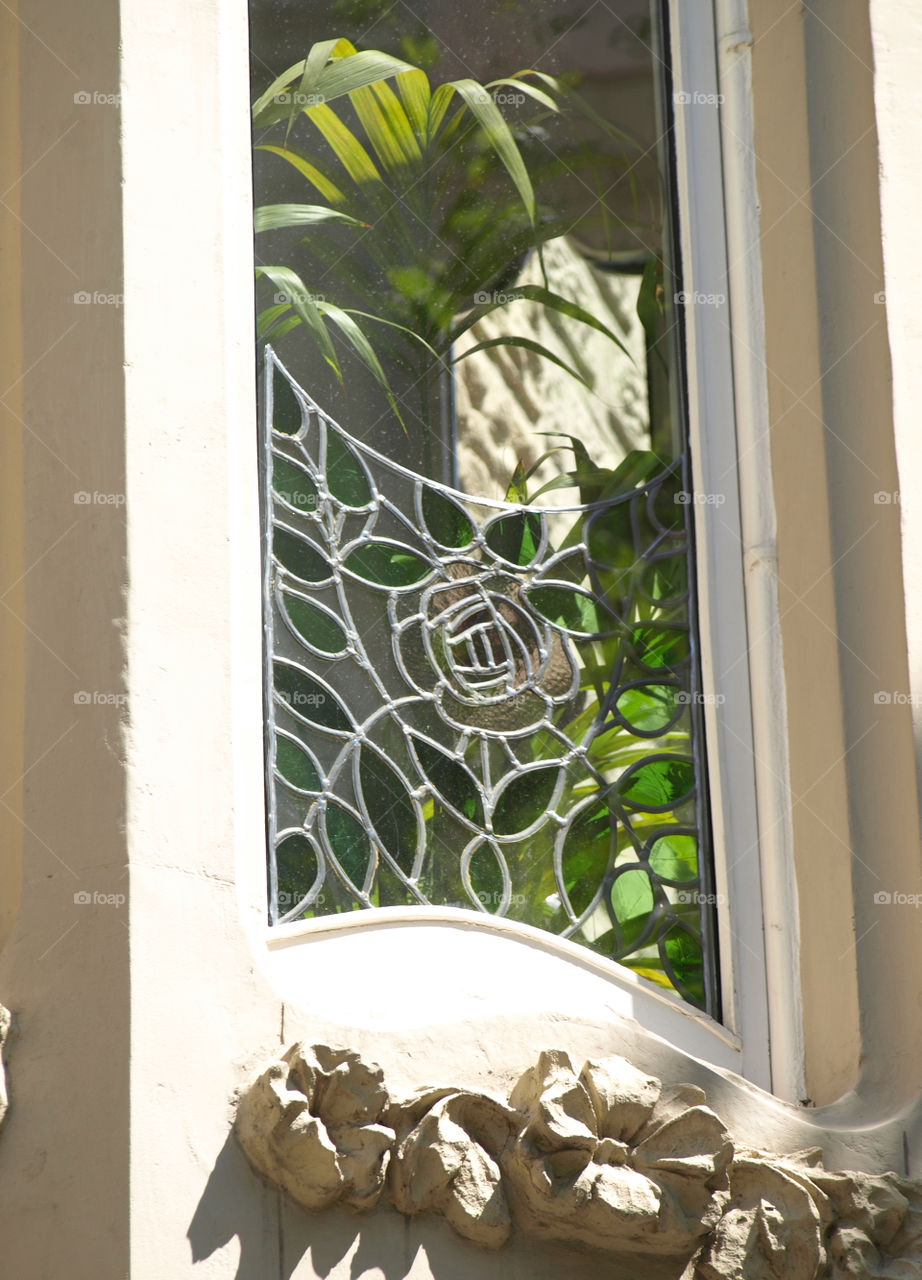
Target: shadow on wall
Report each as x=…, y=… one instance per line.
x=279, y=1239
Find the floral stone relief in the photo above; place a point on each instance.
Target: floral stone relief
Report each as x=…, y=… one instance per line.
x=6, y=1019
x=605, y=1157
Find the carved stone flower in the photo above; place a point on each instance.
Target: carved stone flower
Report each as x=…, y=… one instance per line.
x=490, y=661
x=310, y=1123
x=447, y=1161
x=607, y=1159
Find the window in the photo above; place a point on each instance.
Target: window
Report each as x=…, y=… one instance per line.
x=483, y=675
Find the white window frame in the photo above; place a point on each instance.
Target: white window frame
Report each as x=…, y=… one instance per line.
x=727, y=415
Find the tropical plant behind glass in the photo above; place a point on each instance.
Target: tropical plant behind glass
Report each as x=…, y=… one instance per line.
x=419, y=225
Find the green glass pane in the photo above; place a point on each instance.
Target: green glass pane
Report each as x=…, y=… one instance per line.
x=450, y=779
x=486, y=878
x=515, y=538
x=389, y=808
x=648, y=708
x=349, y=842
x=346, y=477
x=666, y=579
x=610, y=542
x=588, y=849
x=675, y=857
x=388, y=891
x=660, y=647
x=569, y=608
x=632, y=902
x=296, y=870
x=445, y=521
x=293, y=485
x=295, y=766
x=286, y=411
x=387, y=564
x=683, y=951
x=299, y=556
x=315, y=626
x=662, y=782
x=311, y=700
x=524, y=800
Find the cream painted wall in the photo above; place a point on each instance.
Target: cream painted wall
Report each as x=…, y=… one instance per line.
x=158, y=1025
x=64, y=967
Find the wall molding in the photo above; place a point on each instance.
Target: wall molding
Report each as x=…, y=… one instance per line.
x=606, y=1157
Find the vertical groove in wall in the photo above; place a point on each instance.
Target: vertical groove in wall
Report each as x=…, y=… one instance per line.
x=12, y=556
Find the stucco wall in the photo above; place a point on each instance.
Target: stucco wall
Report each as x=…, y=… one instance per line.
x=155, y=1010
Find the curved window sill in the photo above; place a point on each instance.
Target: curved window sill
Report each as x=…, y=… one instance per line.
x=378, y=972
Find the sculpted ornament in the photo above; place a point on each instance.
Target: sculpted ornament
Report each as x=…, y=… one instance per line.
x=5, y=1022
x=606, y=1158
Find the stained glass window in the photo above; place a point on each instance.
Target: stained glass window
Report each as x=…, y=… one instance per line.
x=481, y=658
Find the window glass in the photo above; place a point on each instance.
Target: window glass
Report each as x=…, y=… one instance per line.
x=481, y=657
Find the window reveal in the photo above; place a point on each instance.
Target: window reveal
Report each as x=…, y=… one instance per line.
x=477, y=698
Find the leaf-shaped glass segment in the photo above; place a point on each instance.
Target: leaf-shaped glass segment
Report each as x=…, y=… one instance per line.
x=292, y=484
x=348, y=842
x=297, y=869
x=387, y=564
x=675, y=857
x=569, y=608
x=588, y=850
x=300, y=556
x=658, y=783
x=685, y=959
x=446, y=522
x=648, y=709
x=524, y=799
x=310, y=700
x=515, y=538
x=485, y=871
x=295, y=765
x=286, y=411
x=347, y=478
x=390, y=808
x=452, y=782
x=632, y=903
x=316, y=626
